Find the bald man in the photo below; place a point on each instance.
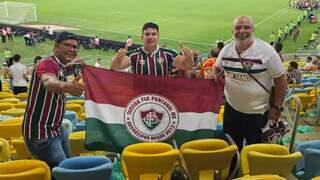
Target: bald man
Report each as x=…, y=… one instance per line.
x=243, y=60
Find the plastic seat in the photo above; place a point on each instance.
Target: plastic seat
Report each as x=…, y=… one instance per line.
x=24, y=170
x=261, y=177
x=261, y=163
x=4, y=150
x=4, y=95
x=11, y=128
x=22, y=151
x=76, y=101
x=205, y=156
x=306, y=102
x=274, y=159
x=84, y=168
x=67, y=125
x=14, y=112
x=5, y=106
x=72, y=116
x=11, y=100
x=149, y=160
x=75, y=107
x=5, y=117
x=22, y=96
x=309, y=164
x=316, y=178
x=21, y=105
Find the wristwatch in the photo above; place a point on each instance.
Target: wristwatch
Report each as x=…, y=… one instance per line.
x=278, y=108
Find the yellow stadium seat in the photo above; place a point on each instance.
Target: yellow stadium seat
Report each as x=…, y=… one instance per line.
x=5, y=106
x=205, y=156
x=4, y=95
x=24, y=170
x=220, y=116
x=11, y=128
x=22, y=96
x=261, y=177
x=11, y=100
x=75, y=107
x=149, y=160
x=21, y=149
x=316, y=178
x=76, y=141
x=4, y=150
x=14, y=112
x=76, y=101
x=259, y=159
x=82, y=117
x=21, y=105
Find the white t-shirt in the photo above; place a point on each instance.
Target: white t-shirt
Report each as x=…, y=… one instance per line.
x=242, y=92
x=97, y=65
x=17, y=71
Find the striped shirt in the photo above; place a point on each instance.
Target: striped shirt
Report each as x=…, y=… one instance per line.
x=158, y=63
x=294, y=76
x=45, y=110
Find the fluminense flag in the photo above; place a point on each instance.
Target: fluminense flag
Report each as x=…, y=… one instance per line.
x=124, y=108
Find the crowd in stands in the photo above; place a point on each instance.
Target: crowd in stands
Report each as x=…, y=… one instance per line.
x=304, y=4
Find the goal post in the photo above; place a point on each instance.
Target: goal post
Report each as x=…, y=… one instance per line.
x=17, y=12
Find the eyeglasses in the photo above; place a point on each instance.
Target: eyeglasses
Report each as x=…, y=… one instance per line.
x=70, y=46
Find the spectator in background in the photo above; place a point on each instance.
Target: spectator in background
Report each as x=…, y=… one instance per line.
x=45, y=138
x=313, y=66
x=6, y=54
x=18, y=72
x=162, y=59
x=296, y=33
x=98, y=63
x=248, y=108
x=215, y=51
x=9, y=33
x=272, y=38
x=293, y=73
x=51, y=33
x=96, y=42
x=3, y=34
x=35, y=61
x=129, y=42
x=278, y=47
x=26, y=38
x=6, y=71
x=309, y=60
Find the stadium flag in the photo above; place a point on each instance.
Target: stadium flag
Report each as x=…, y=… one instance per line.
x=123, y=108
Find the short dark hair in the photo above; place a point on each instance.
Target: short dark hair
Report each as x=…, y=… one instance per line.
x=16, y=57
x=220, y=45
x=64, y=35
x=293, y=64
x=278, y=47
x=150, y=25
x=36, y=59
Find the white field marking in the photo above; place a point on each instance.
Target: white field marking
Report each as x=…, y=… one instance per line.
x=138, y=27
x=137, y=35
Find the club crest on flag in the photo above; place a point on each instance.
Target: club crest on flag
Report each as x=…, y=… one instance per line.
x=151, y=117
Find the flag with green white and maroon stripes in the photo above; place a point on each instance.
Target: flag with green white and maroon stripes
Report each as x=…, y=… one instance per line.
x=123, y=108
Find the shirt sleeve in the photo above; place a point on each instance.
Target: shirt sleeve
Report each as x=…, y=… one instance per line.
x=47, y=66
x=275, y=65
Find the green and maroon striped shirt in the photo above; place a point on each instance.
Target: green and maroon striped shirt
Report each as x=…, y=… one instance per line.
x=158, y=63
x=45, y=110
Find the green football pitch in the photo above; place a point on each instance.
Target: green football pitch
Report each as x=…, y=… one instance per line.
x=196, y=23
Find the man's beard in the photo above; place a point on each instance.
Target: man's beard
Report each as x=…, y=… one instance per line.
x=244, y=37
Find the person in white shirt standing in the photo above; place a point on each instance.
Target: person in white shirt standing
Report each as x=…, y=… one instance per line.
x=18, y=73
x=98, y=63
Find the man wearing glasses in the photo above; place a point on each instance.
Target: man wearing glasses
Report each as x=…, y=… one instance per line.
x=42, y=130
